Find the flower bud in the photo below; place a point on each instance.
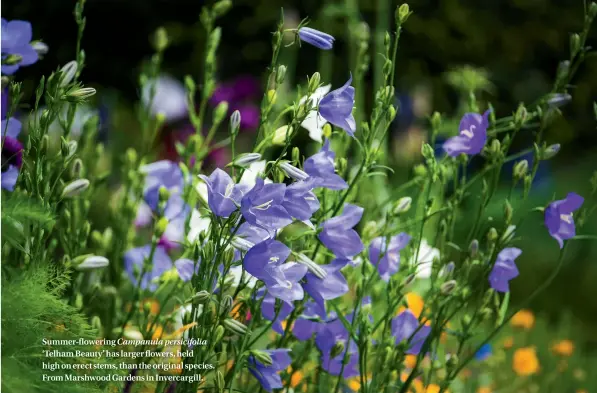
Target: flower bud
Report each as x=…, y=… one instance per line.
x=473, y=248
x=391, y=114
x=387, y=40
x=293, y=172
x=75, y=188
x=337, y=349
x=271, y=96
x=80, y=94
x=163, y=194
x=387, y=68
x=402, y=13
x=200, y=297
x=314, y=82
x=508, y=211
x=495, y=148
x=12, y=59
x=68, y=72
x=427, y=151
x=220, y=112
x=76, y=168
x=327, y=130
x=520, y=169
x=574, y=44
x=160, y=39
x=218, y=335
x=550, y=151
x=521, y=115
x=247, y=159
x=92, y=262
x=262, y=357
x=448, y=269
x=402, y=205
x=448, y=287
x=226, y=305
x=281, y=74
x=221, y=7
x=492, y=235
x=558, y=100
x=436, y=121
x=312, y=266
x=40, y=47
x=241, y=244
x=593, y=10
x=280, y=135
x=161, y=226
x=235, y=327
x=234, y=122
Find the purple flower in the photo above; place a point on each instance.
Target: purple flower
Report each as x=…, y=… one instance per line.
x=558, y=217
x=338, y=235
x=223, y=195
x=387, y=256
x=336, y=108
x=331, y=287
x=299, y=201
x=12, y=153
x=320, y=167
x=134, y=260
x=186, y=268
x=405, y=327
x=268, y=311
x=288, y=288
x=16, y=40
x=262, y=206
x=331, y=333
x=268, y=376
x=473, y=135
x=316, y=38
x=504, y=269
x=161, y=173
x=170, y=98
x=308, y=323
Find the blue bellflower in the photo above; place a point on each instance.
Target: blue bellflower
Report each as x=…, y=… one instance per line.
x=472, y=136
x=405, y=328
x=16, y=40
x=299, y=201
x=134, y=260
x=331, y=287
x=268, y=311
x=320, y=168
x=186, y=268
x=386, y=257
x=262, y=206
x=308, y=323
x=336, y=108
x=504, y=269
x=268, y=376
x=161, y=173
x=338, y=234
x=12, y=152
x=223, y=196
x=316, y=38
x=329, y=334
x=558, y=217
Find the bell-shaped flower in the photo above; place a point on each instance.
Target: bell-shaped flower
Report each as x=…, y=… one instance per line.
x=136, y=258
x=268, y=310
x=338, y=234
x=331, y=336
x=320, y=168
x=268, y=375
x=170, y=98
x=407, y=328
x=558, y=217
x=313, y=121
x=223, y=196
x=316, y=38
x=16, y=41
x=472, y=135
x=299, y=201
x=504, y=269
x=186, y=268
x=336, y=108
x=331, y=287
x=262, y=206
x=386, y=255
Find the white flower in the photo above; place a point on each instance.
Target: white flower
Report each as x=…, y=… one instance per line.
x=424, y=262
x=314, y=122
x=170, y=97
x=197, y=225
x=251, y=173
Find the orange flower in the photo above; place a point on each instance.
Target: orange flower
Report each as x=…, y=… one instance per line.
x=410, y=361
x=524, y=319
x=433, y=388
x=157, y=331
x=151, y=304
x=525, y=361
x=415, y=304
x=484, y=389
x=563, y=348
x=354, y=384
x=508, y=342
x=296, y=379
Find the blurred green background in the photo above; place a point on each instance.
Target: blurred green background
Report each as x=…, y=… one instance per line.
x=519, y=44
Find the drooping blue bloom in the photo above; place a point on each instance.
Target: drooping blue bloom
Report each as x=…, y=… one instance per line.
x=134, y=260
x=472, y=137
x=316, y=38
x=223, y=196
x=12, y=152
x=309, y=323
x=299, y=201
x=405, y=327
x=504, y=269
x=262, y=206
x=268, y=376
x=338, y=235
x=16, y=40
x=186, y=268
x=289, y=288
x=320, y=168
x=331, y=287
x=558, y=217
x=336, y=108
x=386, y=257
x=268, y=310
x=483, y=353
x=330, y=333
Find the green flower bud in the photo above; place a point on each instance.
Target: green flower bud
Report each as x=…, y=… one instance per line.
x=12, y=59
x=492, y=235
x=296, y=155
x=390, y=114
x=327, y=130
x=190, y=84
x=473, y=248
x=314, y=82
x=495, y=148
x=218, y=334
x=161, y=226
x=574, y=44
x=200, y=297
x=281, y=134
x=75, y=188
x=45, y=142
x=226, y=305
x=92, y=263
x=550, y=151
x=420, y=170
x=387, y=67
x=160, y=39
x=68, y=72
x=402, y=205
x=221, y=7
x=521, y=115
x=247, y=159
x=592, y=10
x=234, y=122
x=281, y=74
x=262, y=357
x=508, y=211
x=220, y=382
x=312, y=266
x=131, y=156
x=76, y=168
x=220, y=112
x=402, y=13
x=337, y=349
x=448, y=287
x=271, y=96
x=520, y=169
x=79, y=95
x=427, y=151
x=164, y=194
x=235, y=327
